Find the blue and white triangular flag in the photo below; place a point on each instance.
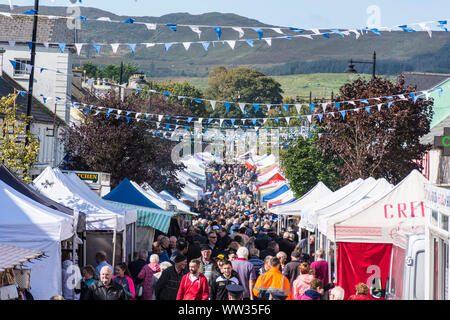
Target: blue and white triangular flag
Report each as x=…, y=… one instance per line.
x=62, y=46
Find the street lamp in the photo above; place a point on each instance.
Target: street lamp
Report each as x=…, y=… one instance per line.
x=33, y=57
x=351, y=67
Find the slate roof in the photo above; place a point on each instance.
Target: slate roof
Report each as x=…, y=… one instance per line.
x=39, y=111
x=424, y=81
x=20, y=29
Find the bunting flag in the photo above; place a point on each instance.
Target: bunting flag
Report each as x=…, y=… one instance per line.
x=205, y=45
x=227, y=105
x=231, y=43
x=239, y=30
x=337, y=104
x=172, y=26
x=196, y=30
x=132, y=47
x=79, y=46
x=218, y=31
x=114, y=47
x=213, y=104
x=256, y=106
x=62, y=47
x=97, y=47
x=320, y=116
x=259, y=31
x=242, y=107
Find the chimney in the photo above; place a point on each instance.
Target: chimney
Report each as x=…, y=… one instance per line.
x=2, y=51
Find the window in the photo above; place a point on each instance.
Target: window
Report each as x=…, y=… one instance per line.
x=444, y=222
x=419, y=281
x=434, y=216
x=20, y=68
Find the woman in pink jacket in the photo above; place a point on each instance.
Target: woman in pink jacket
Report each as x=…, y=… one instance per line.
x=146, y=274
x=314, y=292
x=303, y=281
x=123, y=277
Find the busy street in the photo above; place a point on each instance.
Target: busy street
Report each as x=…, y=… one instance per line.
x=267, y=153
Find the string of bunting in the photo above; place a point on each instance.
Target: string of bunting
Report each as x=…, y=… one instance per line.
x=242, y=105
x=442, y=24
x=366, y=106
x=175, y=128
x=197, y=29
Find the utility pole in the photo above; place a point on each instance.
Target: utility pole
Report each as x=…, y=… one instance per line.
x=120, y=80
x=33, y=58
x=151, y=88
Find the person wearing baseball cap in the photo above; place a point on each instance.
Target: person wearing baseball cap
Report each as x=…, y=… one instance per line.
x=206, y=266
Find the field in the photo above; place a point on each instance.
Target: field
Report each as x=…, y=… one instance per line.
x=320, y=84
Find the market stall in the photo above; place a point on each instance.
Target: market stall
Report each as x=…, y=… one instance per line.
x=31, y=225
x=106, y=225
x=13, y=277
x=364, y=236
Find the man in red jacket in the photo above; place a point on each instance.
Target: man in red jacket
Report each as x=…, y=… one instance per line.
x=194, y=285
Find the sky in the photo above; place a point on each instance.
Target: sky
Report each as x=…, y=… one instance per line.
x=288, y=13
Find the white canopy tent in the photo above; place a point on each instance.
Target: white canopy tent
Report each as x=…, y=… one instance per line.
x=357, y=199
x=318, y=192
x=31, y=225
x=282, y=198
x=367, y=191
x=265, y=161
x=365, y=235
x=265, y=176
x=174, y=201
x=58, y=187
x=375, y=222
x=70, y=191
x=152, y=195
x=322, y=203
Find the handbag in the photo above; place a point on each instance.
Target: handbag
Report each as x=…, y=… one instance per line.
x=7, y=278
x=139, y=290
x=9, y=292
x=23, y=278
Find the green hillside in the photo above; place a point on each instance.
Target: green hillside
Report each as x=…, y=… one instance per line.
x=320, y=84
x=396, y=51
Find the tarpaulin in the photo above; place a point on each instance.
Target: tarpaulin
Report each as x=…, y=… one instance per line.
x=361, y=262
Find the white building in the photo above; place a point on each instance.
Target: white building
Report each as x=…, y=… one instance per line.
x=15, y=33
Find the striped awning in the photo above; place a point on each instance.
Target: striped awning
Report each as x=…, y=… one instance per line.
x=150, y=217
x=11, y=256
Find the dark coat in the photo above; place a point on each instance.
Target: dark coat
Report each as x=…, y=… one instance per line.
x=135, y=267
x=291, y=271
x=97, y=291
x=218, y=290
x=168, y=284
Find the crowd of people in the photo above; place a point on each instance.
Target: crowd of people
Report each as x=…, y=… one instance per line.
x=231, y=251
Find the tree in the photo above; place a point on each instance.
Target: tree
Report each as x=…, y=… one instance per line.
x=14, y=153
x=182, y=89
x=382, y=144
x=304, y=165
x=241, y=85
x=125, y=149
x=110, y=71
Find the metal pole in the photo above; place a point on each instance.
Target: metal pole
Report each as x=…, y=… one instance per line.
x=120, y=80
x=374, y=63
x=150, y=102
x=33, y=58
